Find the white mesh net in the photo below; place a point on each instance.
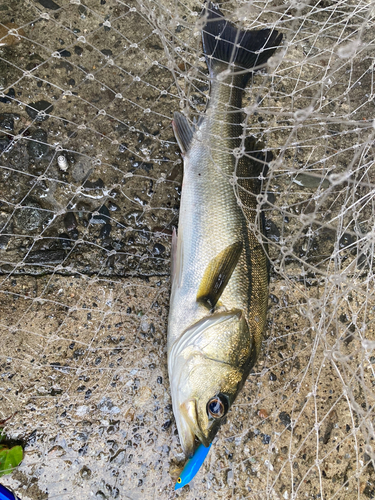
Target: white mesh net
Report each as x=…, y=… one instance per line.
x=90, y=183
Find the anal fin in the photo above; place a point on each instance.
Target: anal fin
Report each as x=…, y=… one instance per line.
x=176, y=258
x=173, y=253
x=217, y=274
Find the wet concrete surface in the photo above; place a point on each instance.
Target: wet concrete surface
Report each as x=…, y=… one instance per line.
x=86, y=382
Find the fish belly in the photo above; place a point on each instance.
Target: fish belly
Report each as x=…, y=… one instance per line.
x=210, y=220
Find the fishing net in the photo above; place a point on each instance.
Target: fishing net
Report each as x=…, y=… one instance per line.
x=90, y=186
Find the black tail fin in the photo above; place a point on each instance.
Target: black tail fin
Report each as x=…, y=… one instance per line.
x=224, y=42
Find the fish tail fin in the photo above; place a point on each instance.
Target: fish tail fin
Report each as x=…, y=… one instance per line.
x=225, y=43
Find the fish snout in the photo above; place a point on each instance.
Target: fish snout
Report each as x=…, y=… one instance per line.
x=189, y=429
x=187, y=426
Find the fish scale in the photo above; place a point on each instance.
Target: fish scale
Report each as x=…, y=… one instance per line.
x=220, y=276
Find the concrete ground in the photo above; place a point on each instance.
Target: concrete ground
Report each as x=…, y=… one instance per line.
x=85, y=253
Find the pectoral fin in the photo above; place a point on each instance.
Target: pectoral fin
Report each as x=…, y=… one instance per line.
x=217, y=274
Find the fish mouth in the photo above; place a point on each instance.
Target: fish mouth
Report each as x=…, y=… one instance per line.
x=189, y=429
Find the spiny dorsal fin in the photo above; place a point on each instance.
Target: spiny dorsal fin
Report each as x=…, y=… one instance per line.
x=217, y=274
x=183, y=131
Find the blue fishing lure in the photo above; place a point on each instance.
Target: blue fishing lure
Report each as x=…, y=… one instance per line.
x=5, y=494
x=192, y=466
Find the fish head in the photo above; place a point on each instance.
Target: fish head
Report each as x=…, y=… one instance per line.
x=208, y=366
x=205, y=402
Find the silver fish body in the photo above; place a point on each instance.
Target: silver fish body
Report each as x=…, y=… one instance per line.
x=217, y=310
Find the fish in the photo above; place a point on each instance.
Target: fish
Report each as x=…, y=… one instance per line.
x=220, y=270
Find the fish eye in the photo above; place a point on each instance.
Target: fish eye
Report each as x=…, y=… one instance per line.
x=217, y=406
x=179, y=480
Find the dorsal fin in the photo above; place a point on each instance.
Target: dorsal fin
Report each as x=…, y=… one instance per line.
x=183, y=131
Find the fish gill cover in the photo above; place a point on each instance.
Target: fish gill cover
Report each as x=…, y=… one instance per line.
x=90, y=189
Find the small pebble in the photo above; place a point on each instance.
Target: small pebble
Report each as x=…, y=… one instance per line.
x=274, y=299
x=105, y=231
x=10, y=95
x=263, y=413
x=78, y=352
x=7, y=121
x=65, y=53
x=37, y=147
x=4, y=143
x=74, y=234
x=112, y=207
x=8, y=40
x=271, y=198
x=345, y=240
x=285, y=419
x=166, y=425
x=93, y=185
x=106, y=52
x=272, y=231
x=102, y=217
x=158, y=249
x=266, y=438
x=4, y=242
x=42, y=106
x=49, y=4
x=70, y=221
x=85, y=472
